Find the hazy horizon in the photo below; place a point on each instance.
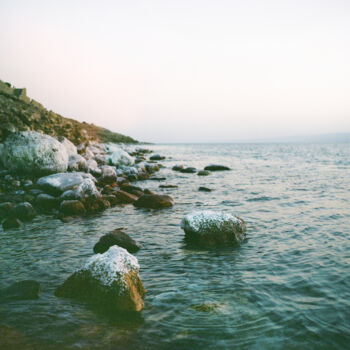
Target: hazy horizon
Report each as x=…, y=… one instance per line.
x=190, y=71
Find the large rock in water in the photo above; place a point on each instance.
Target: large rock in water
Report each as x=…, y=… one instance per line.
x=154, y=201
x=56, y=184
x=110, y=279
x=34, y=153
x=216, y=167
x=213, y=228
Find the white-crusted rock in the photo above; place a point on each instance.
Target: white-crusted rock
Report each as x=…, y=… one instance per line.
x=34, y=153
x=70, y=147
x=87, y=189
x=117, y=156
x=58, y=183
x=210, y=228
x=111, y=279
x=77, y=163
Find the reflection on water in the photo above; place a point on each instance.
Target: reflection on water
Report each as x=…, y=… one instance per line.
x=286, y=286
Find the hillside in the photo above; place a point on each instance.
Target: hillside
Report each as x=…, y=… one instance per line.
x=18, y=113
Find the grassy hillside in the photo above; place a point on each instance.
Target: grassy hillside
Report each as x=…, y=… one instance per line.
x=19, y=113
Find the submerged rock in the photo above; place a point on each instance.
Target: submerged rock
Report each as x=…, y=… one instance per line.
x=11, y=223
x=215, y=167
x=178, y=167
x=211, y=228
x=110, y=279
x=119, y=238
x=203, y=173
x=154, y=201
x=5, y=208
x=34, y=153
x=23, y=290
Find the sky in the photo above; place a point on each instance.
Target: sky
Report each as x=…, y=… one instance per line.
x=184, y=70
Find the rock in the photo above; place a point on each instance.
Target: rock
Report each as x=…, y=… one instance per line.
x=70, y=194
x=168, y=186
x=117, y=156
x=130, y=188
x=56, y=184
x=108, y=175
x=87, y=189
x=5, y=209
x=148, y=191
x=189, y=170
x=113, y=200
x=204, y=189
x=215, y=167
x=23, y=211
x=154, y=178
x=72, y=207
x=154, y=201
x=27, y=184
x=92, y=167
x=70, y=148
x=23, y=290
x=110, y=279
x=125, y=197
x=119, y=238
x=94, y=205
x=34, y=153
x=77, y=162
x=156, y=157
x=211, y=228
x=11, y=223
x=46, y=202
x=178, y=167
x=203, y=173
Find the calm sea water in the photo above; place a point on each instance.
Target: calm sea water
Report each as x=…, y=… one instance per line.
x=286, y=287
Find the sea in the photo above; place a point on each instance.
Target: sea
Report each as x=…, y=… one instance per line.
x=287, y=286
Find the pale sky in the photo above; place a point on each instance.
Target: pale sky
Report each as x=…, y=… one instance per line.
x=184, y=70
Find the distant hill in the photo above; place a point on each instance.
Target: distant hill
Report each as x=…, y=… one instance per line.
x=18, y=113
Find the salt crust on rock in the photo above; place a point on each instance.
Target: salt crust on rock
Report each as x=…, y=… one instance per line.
x=117, y=156
x=213, y=227
x=111, y=266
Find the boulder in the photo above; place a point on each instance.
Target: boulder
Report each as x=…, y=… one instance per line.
x=119, y=238
x=204, y=189
x=5, y=209
x=156, y=157
x=56, y=184
x=92, y=167
x=168, y=186
x=46, y=202
x=87, y=189
x=23, y=211
x=34, y=153
x=215, y=167
x=189, y=170
x=154, y=201
x=72, y=207
x=23, y=290
x=203, y=173
x=71, y=149
x=117, y=156
x=213, y=228
x=77, y=162
x=125, y=197
x=178, y=167
x=110, y=279
x=11, y=223
x=108, y=175
x=94, y=205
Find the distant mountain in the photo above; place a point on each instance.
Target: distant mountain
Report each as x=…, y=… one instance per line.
x=18, y=113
